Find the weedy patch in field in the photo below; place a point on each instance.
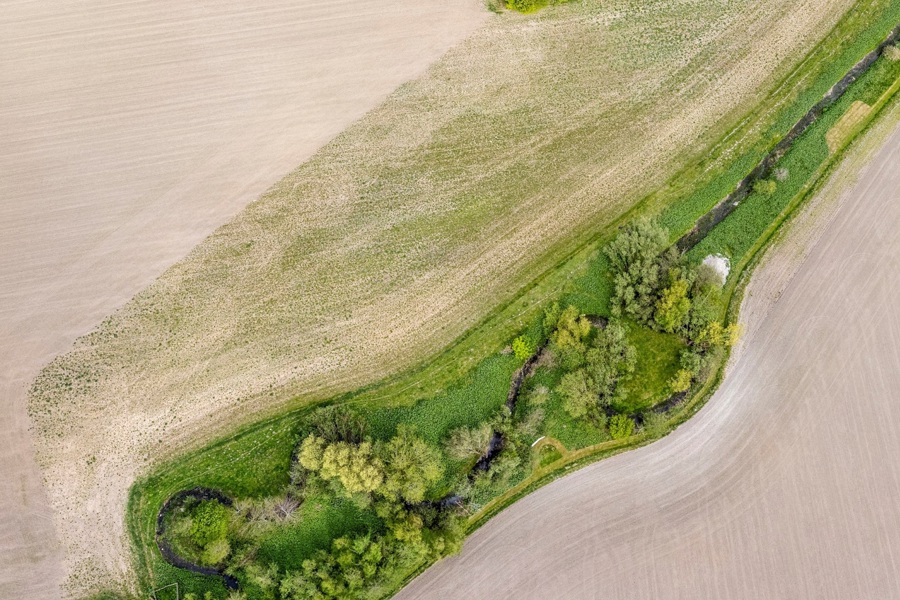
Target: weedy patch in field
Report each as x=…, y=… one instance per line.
x=847, y=126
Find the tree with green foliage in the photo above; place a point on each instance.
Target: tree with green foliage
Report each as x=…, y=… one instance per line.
x=567, y=335
x=357, y=467
x=522, y=348
x=338, y=424
x=681, y=381
x=354, y=468
x=410, y=466
x=620, y=426
x=578, y=393
x=673, y=306
x=588, y=389
x=636, y=262
x=610, y=358
x=209, y=522
x=468, y=442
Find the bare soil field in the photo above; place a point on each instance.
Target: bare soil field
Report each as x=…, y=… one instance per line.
x=399, y=235
x=130, y=132
x=785, y=485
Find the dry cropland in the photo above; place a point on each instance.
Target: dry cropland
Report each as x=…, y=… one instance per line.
x=134, y=131
x=786, y=484
x=130, y=132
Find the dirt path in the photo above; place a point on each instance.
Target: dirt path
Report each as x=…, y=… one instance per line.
x=786, y=485
x=130, y=131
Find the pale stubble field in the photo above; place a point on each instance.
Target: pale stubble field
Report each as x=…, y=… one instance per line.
x=131, y=130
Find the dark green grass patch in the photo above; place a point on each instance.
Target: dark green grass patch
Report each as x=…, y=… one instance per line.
x=591, y=289
x=474, y=399
x=319, y=520
x=739, y=232
x=657, y=362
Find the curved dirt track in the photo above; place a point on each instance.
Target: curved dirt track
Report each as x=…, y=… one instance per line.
x=786, y=485
x=130, y=132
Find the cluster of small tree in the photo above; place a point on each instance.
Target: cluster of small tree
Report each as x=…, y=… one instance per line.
x=654, y=286
x=390, y=477
x=362, y=565
x=508, y=466
x=400, y=469
x=594, y=383
x=199, y=529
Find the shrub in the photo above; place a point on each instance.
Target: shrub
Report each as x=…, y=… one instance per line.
x=635, y=261
x=892, y=53
x=209, y=522
x=522, y=348
x=538, y=395
x=766, y=187
x=673, y=307
x=655, y=423
x=216, y=552
x=620, y=426
x=715, y=335
x=465, y=442
x=338, y=424
x=681, y=382
x=526, y=6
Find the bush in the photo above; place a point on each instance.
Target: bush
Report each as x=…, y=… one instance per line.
x=620, y=426
x=338, y=424
x=522, y=348
x=209, y=523
x=636, y=264
x=469, y=442
x=526, y=6
x=655, y=423
x=766, y=187
x=681, y=382
x=216, y=552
